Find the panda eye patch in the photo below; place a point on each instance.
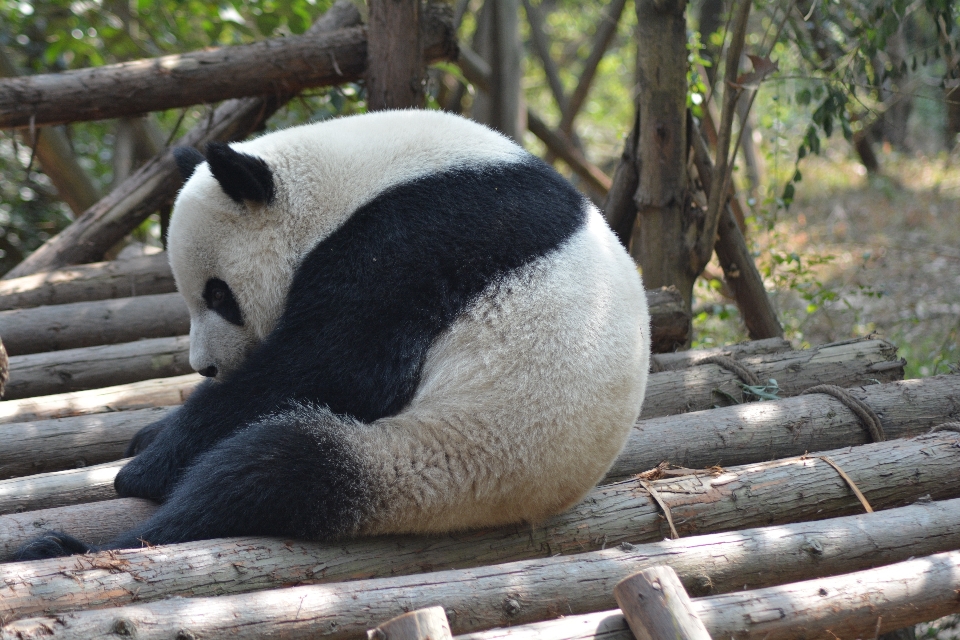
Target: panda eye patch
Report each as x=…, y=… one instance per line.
x=220, y=299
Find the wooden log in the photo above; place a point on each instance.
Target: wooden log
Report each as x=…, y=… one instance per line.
x=210, y=75
x=54, y=372
x=684, y=359
x=154, y=185
x=774, y=493
x=120, y=514
x=85, y=324
x=853, y=362
x=59, y=488
x=69, y=443
x=163, y=392
x=655, y=605
x=769, y=430
x=423, y=624
x=853, y=605
x=141, y=276
x=30, y=447
x=489, y=596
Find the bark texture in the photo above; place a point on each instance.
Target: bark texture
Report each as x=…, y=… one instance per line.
x=141, y=276
x=769, y=430
x=847, y=606
x=164, y=392
x=53, y=372
x=395, y=70
x=131, y=88
x=60, y=488
x=611, y=515
x=656, y=606
x=479, y=598
x=68, y=443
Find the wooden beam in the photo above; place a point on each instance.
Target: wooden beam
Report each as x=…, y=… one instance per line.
x=854, y=605
x=85, y=324
x=395, y=69
x=60, y=488
x=55, y=372
x=141, y=276
x=423, y=624
x=531, y=590
x=655, y=605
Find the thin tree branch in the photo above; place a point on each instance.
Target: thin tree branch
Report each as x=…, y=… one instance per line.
x=601, y=41
x=541, y=44
x=731, y=93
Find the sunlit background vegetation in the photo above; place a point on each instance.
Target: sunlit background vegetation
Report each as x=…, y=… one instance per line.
x=845, y=251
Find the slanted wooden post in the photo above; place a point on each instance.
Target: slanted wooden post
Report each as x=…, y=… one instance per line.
x=395, y=69
x=424, y=624
x=657, y=606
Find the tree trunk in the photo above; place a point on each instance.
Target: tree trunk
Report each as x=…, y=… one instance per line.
x=854, y=605
x=137, y=395
x=395, y=69
x=498, y=42
x=889, y=473
x=85, y=324
x=661, y=241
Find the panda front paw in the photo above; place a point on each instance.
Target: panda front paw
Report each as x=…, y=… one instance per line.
x=54, y=544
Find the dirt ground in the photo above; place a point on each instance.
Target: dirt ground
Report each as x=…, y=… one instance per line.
x=860, y=254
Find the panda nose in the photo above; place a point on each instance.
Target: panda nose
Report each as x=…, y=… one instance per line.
x=210, y=372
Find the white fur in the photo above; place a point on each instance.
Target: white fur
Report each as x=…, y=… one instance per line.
x=323, y=172
x=523, y=403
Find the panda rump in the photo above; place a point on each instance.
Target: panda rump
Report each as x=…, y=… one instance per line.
x=414, y=326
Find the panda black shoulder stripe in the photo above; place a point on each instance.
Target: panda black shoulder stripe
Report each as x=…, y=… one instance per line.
x=368, y=301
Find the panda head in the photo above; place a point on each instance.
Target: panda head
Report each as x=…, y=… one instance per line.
x=230, y=264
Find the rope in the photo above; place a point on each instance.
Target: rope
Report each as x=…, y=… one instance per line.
x=850, y=483
x=870, y=421
x=726, y=362
x=663, y=505
x=947, y=426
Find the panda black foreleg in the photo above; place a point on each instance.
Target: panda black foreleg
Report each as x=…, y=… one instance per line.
x=292, y=474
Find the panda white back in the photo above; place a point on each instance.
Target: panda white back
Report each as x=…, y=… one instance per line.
x=415, y=326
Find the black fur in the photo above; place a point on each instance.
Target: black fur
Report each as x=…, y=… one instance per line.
x=219, y=298
x=187, y=159
x=363, y=309
x=241, y=176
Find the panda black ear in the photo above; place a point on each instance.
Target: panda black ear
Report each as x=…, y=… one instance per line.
x=187, y=160
x=241, y=176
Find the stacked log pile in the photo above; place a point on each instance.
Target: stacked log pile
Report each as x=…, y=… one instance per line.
x=727, y=458
x=794, y=492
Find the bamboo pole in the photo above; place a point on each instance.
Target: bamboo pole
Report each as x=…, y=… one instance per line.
x=479, y=598
x=163, y=392
x=749, y=433
x=69, y=370
x=145, y=275
x=773, y=493
x=85, y=324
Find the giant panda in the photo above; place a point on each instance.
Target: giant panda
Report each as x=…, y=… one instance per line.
x=410, y=325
